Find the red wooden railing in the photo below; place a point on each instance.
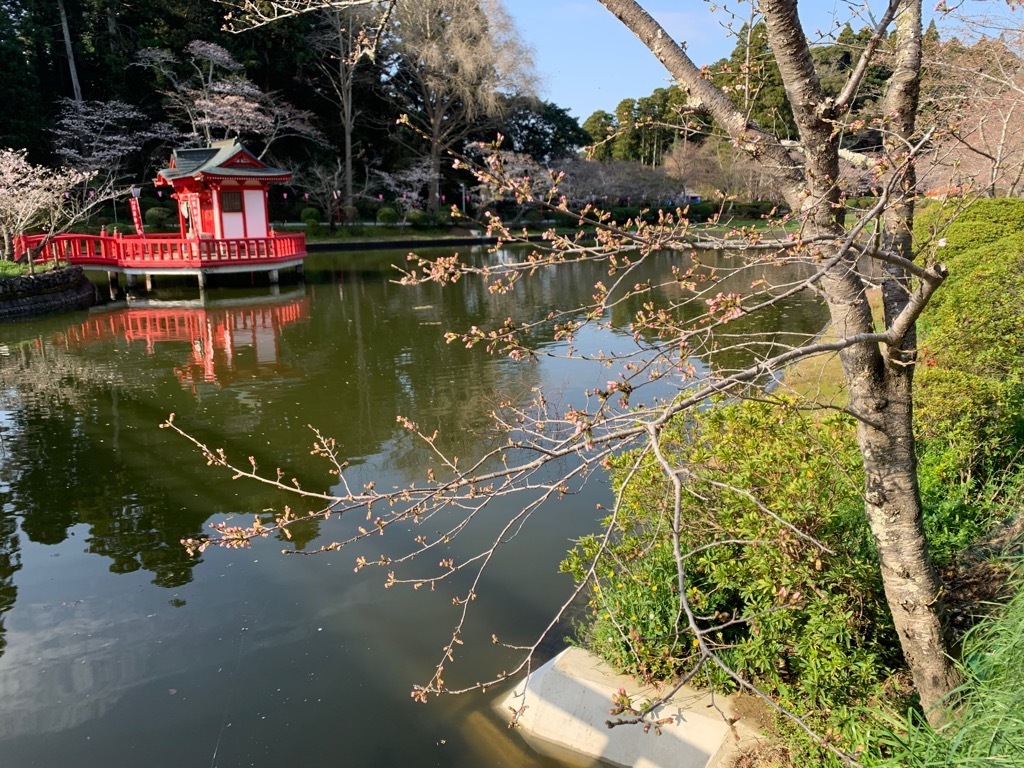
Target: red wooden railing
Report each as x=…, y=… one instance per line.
x=159, y=252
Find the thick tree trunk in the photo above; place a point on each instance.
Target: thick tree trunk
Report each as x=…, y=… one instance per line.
x=879, y=380
x=893, y=499
x=893, y=505
x=346, y=96
x=880, y=395
x=349, y=196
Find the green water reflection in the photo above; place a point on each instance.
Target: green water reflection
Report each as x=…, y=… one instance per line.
x=119, y=649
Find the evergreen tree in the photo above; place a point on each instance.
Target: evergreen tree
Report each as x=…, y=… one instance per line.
x=600, y=126
x=21, y=126
x=542, y=130
x=626, y=145
x=752, y=79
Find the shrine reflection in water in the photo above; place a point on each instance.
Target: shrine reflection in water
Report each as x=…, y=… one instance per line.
x=226, y=343
x=119, y=649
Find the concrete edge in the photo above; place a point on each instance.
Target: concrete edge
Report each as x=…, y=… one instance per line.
x=568, y=702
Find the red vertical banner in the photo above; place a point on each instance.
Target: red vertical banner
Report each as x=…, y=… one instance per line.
x=133, y=203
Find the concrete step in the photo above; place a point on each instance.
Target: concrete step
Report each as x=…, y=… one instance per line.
x=568, y=702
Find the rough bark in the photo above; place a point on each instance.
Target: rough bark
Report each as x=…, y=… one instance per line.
x=878, y=377
x=912, y=587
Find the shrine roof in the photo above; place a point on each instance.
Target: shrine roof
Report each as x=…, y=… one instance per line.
x=222, y=159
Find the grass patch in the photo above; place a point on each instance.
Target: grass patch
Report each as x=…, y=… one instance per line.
x=20, y=268
x=988, y=726
x=820, y=379
x=12, y=269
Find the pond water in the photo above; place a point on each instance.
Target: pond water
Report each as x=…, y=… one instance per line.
x=116, y=648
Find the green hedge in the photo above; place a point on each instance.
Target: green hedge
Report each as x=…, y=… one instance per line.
x=964, y=228
x=970, y=377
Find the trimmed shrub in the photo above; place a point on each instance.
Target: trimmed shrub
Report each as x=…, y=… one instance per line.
x=620, y=213
x=980, y=223
x=566, y=220
x=970, y=378
x=310, y=214
x=701, y=212
x=754, y=209
x=350, y=214
x=861, y=203
x=368, y=207
x=420, y=219
x=444, y=218
x=969, y=381
x=387, y=216
x=157, y=217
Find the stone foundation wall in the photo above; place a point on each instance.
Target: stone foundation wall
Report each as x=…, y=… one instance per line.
x=62, y=290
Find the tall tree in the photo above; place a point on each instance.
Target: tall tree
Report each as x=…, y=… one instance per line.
x=341, y=41
x=878, y=368
x=19, y=127
x=626, y=145
x=601, y=127
x=103, y=137
x=456, y=62
x=752, y=79
x=36, y=198
x=977, y=92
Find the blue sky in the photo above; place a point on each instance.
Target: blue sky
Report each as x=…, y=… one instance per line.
x=588, y=60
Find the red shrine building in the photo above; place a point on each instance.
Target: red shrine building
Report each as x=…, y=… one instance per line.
x=223, y=224
x=221, y=191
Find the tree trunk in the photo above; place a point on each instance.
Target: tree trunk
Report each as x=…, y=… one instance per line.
x=893, y=506
x=72, y=69
x=346, y=95
x=434, y=184
x=347, y=125
x=893, y=499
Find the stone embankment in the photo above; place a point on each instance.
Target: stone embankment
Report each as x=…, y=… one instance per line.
x=61, y=290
